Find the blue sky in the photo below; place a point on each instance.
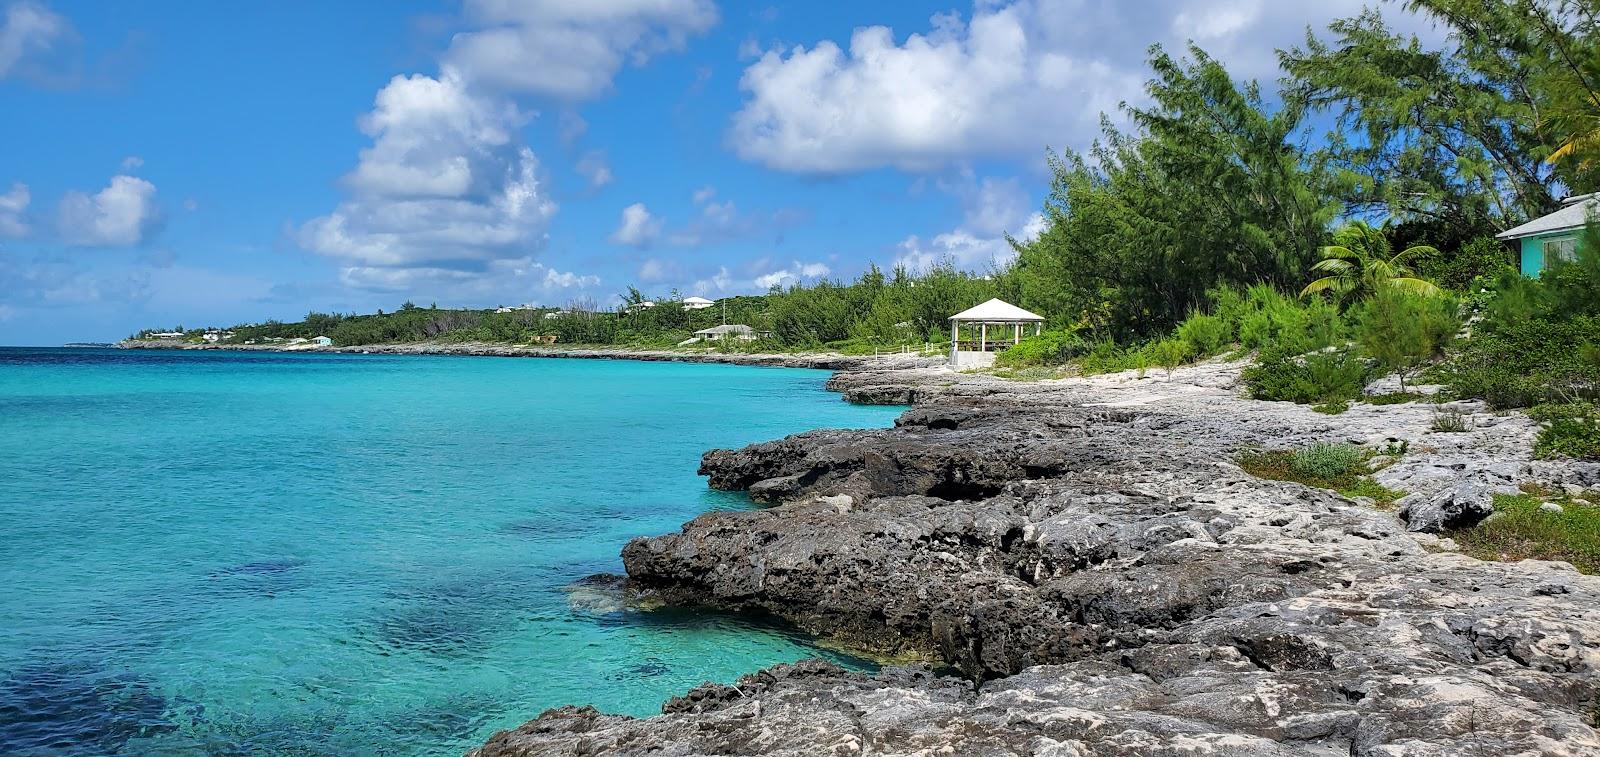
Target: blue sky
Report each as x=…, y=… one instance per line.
x=217, y=163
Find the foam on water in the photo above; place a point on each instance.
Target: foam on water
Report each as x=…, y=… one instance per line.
x=209, y=552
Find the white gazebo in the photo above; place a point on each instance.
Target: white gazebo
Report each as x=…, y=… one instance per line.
x=696, y=303
x=977, y=349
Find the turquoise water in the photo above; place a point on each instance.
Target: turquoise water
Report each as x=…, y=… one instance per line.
x=247, y=553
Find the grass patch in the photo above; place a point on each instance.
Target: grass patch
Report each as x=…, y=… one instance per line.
x=1519, y=530
x=1035, y=373
x=1340, y=467
x=1332, y=408
x=1450, y=421
x=1392, y=398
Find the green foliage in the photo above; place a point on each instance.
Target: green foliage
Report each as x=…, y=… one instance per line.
x=1519, y=530
x=1211, y=190
x=1264, y=319
x=1052, y=347
x=1571, y=429
x=1328, y=461
x=1392, y=398
x=1483, y=257
x=1448, y=134
x=1332, y=408
x=1360, y=262
x=1450, y=421
x=1539, y=340
x=1340, y=467
x=1169, y=353
x=1205, y=335
x=1317, y=378
x=1401, y=329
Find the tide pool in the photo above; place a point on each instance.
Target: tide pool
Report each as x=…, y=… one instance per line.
x=254, y=553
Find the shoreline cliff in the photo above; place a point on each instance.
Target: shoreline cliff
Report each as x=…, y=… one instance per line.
x=1104, y=580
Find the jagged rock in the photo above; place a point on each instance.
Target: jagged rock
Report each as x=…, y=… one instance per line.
x=1460, y=506
x=1106, y=582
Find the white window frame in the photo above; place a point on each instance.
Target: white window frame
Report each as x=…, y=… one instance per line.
x=1560, y=248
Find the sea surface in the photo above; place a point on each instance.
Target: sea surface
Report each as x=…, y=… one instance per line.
x=267, y=553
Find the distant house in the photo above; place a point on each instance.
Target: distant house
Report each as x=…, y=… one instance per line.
x=322, y=341
x=1553, y=237
x=736, y=331
x=166, y=335
x=638, y=306
x=552, y=315
x=696, y=303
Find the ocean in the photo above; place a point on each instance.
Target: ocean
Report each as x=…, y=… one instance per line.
x=268, y=553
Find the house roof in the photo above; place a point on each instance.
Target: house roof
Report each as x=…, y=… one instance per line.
x=1574, y=213
x=697, y=301
x=731, y=328
x=996, y=310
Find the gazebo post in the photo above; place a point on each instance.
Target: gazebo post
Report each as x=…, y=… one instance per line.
x=1016, y=333
x=983, y=337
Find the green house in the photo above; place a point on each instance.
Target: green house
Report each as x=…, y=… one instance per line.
x=1552, y=237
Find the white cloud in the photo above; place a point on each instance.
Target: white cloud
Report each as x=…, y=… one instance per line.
x=794, y=274
x=594, y=167
x=444, y=184
x=638, y=228
x=518, y=279
x=123, y=214
x=569, y=49
x=29, y=30
x=132, y=163
x=704, y=194
x=1015, y=78
x=721, y=281
x=13, y=211
x=654, y=270
x=992, y=208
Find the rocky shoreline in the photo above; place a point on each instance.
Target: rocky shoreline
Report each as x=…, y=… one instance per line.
x=824, y=360
x=1095, y=576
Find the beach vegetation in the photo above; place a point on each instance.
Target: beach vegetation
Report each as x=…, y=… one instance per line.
x=1524, y=528
x=1343, y=468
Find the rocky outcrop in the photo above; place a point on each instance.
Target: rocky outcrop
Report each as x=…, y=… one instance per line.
x=1102, y=580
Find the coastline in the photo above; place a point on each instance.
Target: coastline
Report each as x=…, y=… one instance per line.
x=1107, y=581
x=820, y=360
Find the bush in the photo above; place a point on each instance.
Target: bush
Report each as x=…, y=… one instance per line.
x=1264, y=319
x=1169, y=354
x=1527, y=362
x=1571, y=429
x=1107, y=357
x=1519, y=530
x=1450, y=421
x=1205, y=335
x=1484, y=256
x=1318, y=378
x=1402, y=330
x=1329, y=461
x=1048, y=348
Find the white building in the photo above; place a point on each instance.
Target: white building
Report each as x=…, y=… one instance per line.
x=696, y=303
x=736, y=331
x=322, y=341
x=989, y=328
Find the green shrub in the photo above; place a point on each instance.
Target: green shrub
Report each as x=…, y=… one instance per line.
x=1320, y=377
x=1571, y=429
x=1169, y=353
x=1528, y=361
x=1205, y=335
x=1052, y=347
x=1402, y=330
x=1332, y=408
x=1106, y=357
x=1329, y=461
x=1519, y=530
x=1450, y=421
x=1392, y=398
x=1456, y=270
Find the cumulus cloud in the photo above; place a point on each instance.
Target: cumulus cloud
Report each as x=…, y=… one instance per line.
x=445, y=184
x=13, y=211
x=503, y=280
x=132, y=163
x=569, y=49
x=797, y=272
x=594, y=167
x=1014, y=78
x=123, y=214
x=654, y=270
x=448, y=192
x=29, y=34
x=992, y=208
x=638, y=227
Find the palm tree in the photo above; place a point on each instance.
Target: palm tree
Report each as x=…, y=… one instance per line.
x=1359, y=263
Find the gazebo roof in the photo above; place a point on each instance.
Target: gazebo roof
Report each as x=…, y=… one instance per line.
x=697, y=301
x=997, y=311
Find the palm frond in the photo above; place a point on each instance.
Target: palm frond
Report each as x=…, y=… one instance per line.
x=1324, y=284
x=1415, y=286
x=1334, y=265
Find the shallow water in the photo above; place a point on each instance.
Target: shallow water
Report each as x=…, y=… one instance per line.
x=210, y=552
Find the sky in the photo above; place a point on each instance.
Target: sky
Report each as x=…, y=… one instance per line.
x=208, y=164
